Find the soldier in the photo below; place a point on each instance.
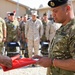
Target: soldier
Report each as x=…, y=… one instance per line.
x=33, y=32
x=61, y=60
x=51, y=30
x=22, y=39
x=2, y=34
x=45, y=21
x=6, y=61
x=12, y=30
x=48, y=30
x=18, y=19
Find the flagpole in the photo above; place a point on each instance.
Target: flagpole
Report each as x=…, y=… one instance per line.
x=17, y=7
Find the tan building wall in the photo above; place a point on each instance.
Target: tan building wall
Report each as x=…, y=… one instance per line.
x=47, y=9
x=41, y=11
x=9, y=6
x=74, y=6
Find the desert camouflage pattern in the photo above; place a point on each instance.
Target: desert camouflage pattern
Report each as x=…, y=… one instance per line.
x=22, y=26
x=2, y=26
x=33, y=32
x=43, y=39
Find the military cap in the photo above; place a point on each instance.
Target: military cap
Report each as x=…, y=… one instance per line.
x=11, y=14
x=18, y=17
x=44, y=14
x=26, y=15
x=34, y=13
x=55, y=3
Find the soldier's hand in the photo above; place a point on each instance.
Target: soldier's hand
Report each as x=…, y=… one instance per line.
x=0, y=40
x=37, y=57
x=40, y=40
x=6, y=61
x=4, y=40
x=23, y=40
x=26, y=40
x=45, y=62
x=47, y=40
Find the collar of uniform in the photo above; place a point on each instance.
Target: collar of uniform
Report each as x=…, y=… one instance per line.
x=69, y=24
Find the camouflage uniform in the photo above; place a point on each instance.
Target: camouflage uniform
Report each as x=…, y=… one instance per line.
x=22, y=29
x=2, y=27
x=63, y=47
x=48, y=34
x=22, y=37
x=33, y=32
x=51, y=30
x=12, y=31
x=43, y=39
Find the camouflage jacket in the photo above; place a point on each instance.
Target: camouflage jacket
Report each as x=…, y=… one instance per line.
x=2, y=27
x=63, y=46
x=12, y=30
x=22, y=26
x=43, y=39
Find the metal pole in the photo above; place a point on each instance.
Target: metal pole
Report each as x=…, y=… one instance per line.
x=17, y=7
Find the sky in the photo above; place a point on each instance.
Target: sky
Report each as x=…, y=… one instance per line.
x=33, y=3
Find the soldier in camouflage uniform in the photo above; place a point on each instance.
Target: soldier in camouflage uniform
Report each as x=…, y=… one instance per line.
x=61, y=60
x=44, y=48
x=45, y=22
x=6, y=61
x=12, y=30
x=33, y=33
x=2, y=34
x=22, y=38
x=49, y=32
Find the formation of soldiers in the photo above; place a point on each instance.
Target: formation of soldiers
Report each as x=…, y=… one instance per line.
x=28, y=32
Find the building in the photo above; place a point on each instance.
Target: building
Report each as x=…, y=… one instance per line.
x=9, y=6
x=47, y=10
x=43, y=10
x=73, y=1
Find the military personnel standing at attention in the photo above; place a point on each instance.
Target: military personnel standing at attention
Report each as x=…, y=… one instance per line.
x=45, y=21
x=33, y=33
x=6, y=61
x=2, y=34
x=12, y=29
x=22, y=38
x=22, y=29
x=51, y=30
x=61, y=60
x=48, y=34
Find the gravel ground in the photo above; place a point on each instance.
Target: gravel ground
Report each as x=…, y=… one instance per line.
x=25, y=71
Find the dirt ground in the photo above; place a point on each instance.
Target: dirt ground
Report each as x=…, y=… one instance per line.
x=25, y=71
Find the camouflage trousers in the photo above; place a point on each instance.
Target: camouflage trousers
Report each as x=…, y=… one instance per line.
x=1, y=47
x=33, y=44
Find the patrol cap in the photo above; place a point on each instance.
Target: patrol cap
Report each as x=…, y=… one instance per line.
x=34, y=13
x=26, y=15
x=18, y=17
x=55, y=3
